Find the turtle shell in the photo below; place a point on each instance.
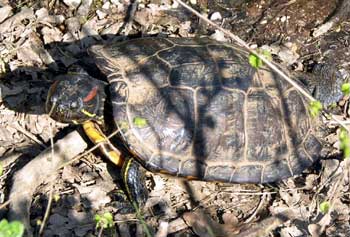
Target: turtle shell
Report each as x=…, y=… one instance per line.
x=195, y=108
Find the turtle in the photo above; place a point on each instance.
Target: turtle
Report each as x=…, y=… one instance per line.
x=192, y=108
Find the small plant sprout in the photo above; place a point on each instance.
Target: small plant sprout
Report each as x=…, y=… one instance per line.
x=104, y=221
x=324, y=207
x=256, y=62
x=141, y=219
x=140, y=122
x=38, y=222
x=56, y=197
x=315, y=108
x=345, y=88
x=11, y=229
x=344, y=140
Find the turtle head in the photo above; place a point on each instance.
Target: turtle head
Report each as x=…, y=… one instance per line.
x=76, y=98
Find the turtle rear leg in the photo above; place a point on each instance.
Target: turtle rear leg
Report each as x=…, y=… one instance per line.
x=132, y=172
x=134, y=181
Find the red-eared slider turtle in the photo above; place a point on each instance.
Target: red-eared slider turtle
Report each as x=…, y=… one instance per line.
x=193, y=108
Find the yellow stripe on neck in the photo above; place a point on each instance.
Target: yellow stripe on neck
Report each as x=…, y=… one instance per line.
x=88, y=113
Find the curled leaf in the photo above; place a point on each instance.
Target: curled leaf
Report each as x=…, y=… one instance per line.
x=140, y=122
x=344, y=140
x=324, y=207
x=11, y=229
x=315, y=108
x=256, y=62
x=345, y=88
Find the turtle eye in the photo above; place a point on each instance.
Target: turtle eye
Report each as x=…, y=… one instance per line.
x=53, y=100
x=73, y=105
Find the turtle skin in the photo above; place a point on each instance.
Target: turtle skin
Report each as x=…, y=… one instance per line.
x=196, y=108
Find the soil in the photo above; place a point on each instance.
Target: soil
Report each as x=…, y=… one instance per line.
x=42, y=39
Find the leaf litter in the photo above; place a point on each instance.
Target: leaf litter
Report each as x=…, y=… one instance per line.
x=27, y=48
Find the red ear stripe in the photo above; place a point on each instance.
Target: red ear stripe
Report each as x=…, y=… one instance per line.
x=91, y=94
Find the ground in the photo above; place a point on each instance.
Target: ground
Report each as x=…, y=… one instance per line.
x=41, y=39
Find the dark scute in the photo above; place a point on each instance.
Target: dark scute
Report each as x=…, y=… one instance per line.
x=313, y=147
x=265, y=131
x=138, y=48
x=120, y=118
x=193, y=168
x=162, y=162
x=220, y=127
x=247, y=174
x=296, y=117
x=153, y=70
x=275, y=171
x=194, y=75
x=222, y=52
x=275, y=81
x=299, y=161
x=186, y=54
x=170, y=121
x=191, y=41
x=219, y=173
x=235, y=75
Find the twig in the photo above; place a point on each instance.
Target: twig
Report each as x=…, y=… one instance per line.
x=5, y=204
x=28, y=134
x=163, y=229
x=100, y=232
x=335, y=193
x=47, y=212
x=345, y=122
x=257, y=209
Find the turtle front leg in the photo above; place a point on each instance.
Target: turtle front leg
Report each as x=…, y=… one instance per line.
x=132, y=172
x=97, y=137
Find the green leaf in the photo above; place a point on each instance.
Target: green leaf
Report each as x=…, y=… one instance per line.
x=3, y=224
x=56, y=197
x=345, y=88
x=344, y=140
x=97, y=218
x=11, y=229
x=109, y=219
x=1, y=169
x=324, y=207
x=315, y=108
x=140, y=122
x=104, y=221
x=256, y=62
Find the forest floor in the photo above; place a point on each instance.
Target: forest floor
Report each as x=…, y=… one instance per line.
x=41, y=39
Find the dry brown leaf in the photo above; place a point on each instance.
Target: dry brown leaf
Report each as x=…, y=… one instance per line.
x=5, y=12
